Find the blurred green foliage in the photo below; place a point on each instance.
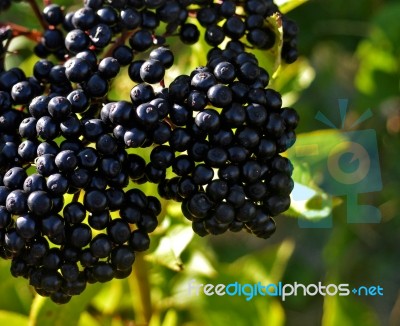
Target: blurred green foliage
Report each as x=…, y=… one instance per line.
x=350, y=49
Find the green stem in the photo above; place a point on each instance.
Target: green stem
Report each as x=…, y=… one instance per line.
x=140, y=289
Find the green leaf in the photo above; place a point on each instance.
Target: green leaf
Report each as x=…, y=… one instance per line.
x=293, y=79
x=265, y=266
x=171, y=318
x=378, y=72
x=46, y=313
x=87, y=319
x=375, y=62
x=271, y=314
x=171, y=246
x=310, y=204
x=347, y=310
x=271, y=59
x=288, y=5
x=19, y=295
x=109, y=297
x=315, y=147
x=275, y=24
x=309, y=157
x=200, y=265
x=387, y=20
x=10, y=318
x=121, y=87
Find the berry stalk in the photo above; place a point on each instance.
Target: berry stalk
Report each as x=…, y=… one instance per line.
x=140, y=289
x=38, y=13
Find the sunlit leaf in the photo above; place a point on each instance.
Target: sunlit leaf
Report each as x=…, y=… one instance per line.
x=171, y=246
x=275, y=24
x=121, y=87
x=19, y=295
x=308, y=203
x=13, y=319
x=375, y=59
x=315, y=147
x=309, y=157
x=171, y=318
x=200, y=265
x=271, y=314
x=87, y=319
x=265, y=266
x=288, y=5
x=271, y=59
x=292, y=79
x=378, y=71
x=108, y=299
x=175, y=210
x=347, y=310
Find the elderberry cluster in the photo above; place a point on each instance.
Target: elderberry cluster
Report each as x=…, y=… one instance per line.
x=225, y=148
x=71, y=212
x=59, y=246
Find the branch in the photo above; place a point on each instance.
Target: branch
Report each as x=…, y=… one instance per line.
x=38, y=13
x=121, y=40
x=18, y=30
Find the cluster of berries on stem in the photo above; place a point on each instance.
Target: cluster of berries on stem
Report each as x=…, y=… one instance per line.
x=71, y=211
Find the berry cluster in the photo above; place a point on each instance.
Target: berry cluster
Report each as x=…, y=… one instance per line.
x=62, y=247
x=95, y=25
x=70, y=213
x=229, y=174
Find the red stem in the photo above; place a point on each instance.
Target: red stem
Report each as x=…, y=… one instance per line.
x=121, y=40
x=38, y=13
x=18, y=30
x=75, y=197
